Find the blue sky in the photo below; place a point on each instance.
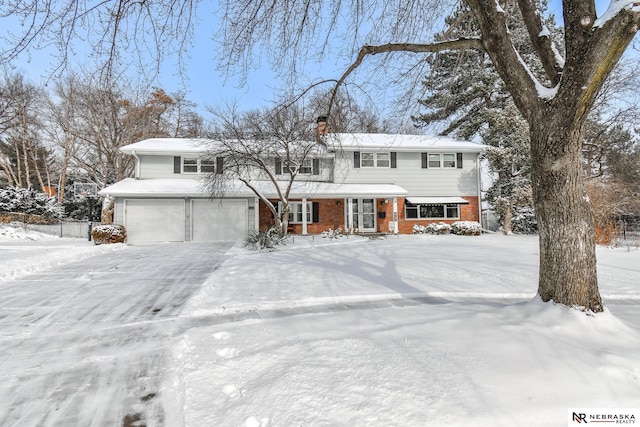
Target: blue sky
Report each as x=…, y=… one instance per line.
x=204, y=84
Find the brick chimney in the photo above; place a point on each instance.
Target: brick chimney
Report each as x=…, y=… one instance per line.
x=322, y=127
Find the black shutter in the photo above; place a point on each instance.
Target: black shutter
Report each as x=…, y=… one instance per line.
x=278, y=167
x=176, y=164
x=425, y=164
x=356, y=159
x=316, y=166
x=393, y=160
x=315, y=215
x=219, y=165
x=459, y=160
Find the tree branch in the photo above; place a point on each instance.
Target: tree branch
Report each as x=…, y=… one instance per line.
x=517, y=77
x=461, y=43
x=541, y=40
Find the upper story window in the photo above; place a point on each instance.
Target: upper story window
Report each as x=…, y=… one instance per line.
x=366, y=159
x=189, y=165
x=306, y=167
x=442, y=160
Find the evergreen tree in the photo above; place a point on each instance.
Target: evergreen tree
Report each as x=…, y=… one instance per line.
x=467, y=99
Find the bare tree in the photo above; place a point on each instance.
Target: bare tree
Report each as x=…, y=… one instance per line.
x=149, y=30
x=91, y=120
x=24, y=159
x=274, y=146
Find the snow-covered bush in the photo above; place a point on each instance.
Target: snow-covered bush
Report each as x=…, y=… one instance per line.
x=30, y=202
x=108, y=233
x=438, y=228
x=466, y=228
x=433, y=228
x=419, y=229
x=332, y=234
x=267, y=240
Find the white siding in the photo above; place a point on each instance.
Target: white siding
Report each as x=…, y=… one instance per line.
x=410, y=175
x=158, y=167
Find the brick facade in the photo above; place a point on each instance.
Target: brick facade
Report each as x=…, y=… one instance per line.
x=331, y=213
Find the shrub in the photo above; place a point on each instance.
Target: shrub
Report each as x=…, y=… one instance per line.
x=466, y=228
x=265, y=240
x=438, y=228
x=108, y=233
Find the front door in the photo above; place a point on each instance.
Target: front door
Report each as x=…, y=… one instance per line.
x=363, y=214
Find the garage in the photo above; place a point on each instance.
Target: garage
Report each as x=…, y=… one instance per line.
x=154, y=220
x=218, y=220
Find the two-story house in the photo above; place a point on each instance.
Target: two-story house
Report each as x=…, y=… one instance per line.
x=360, y=183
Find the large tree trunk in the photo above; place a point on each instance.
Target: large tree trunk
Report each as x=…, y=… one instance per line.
x=565, y=220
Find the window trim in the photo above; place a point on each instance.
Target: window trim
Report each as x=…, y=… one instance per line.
x=454, y=160
x=374, y=159
x=199, y=163
x=295, y=209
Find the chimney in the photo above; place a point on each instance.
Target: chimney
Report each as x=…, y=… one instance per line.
x=322, y=127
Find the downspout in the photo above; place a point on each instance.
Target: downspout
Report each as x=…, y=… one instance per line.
x=479, y=190
x=137, y=170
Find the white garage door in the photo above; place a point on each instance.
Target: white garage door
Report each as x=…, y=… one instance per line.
x=157, y=220
x=218, y=220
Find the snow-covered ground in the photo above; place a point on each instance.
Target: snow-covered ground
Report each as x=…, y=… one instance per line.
x=408, y=331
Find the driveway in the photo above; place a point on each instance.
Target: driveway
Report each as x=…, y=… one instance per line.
x=86, y=343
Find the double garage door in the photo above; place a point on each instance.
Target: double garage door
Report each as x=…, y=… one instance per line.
x=166, y=220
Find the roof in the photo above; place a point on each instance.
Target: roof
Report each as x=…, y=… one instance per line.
x=436, y=200
x=168, y=146
x=401, y=142
x=348, y=141
x=131, y=187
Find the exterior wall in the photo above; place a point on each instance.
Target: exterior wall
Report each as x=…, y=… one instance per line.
x=410, y=175
x=332, y=215
x=161, y=167
x=158, y=167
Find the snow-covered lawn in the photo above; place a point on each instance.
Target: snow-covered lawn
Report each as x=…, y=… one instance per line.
x=409, y=331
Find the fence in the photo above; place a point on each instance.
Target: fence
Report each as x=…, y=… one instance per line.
x=78, y=229
x=629, y=231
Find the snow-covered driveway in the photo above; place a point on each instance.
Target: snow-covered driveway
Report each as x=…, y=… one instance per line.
x=85, y=343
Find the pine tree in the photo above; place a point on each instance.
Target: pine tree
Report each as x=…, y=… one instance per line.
x=467, y=99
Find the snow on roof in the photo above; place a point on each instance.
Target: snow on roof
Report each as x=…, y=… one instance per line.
x=401, y=141
x=130, y=187
x=171, y=146
x=167, y=146
x=436, y=200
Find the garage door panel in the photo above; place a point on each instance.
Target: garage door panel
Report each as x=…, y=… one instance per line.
x=155, y=220
x=219, y=220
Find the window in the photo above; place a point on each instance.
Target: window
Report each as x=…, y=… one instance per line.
x=198, y=165
x=431, y=211
x=189, y=165
x=295, y=212
x=377, y=160
x=207, y=165
x=367, y=160
x=306, y=167
x=434, y=160
x=448, y=160
x=442, y=160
